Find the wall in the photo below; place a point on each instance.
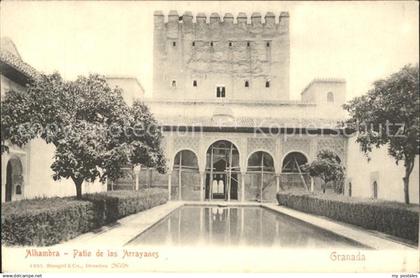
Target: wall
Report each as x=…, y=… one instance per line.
x=132, y=90
x=239, y=52
x=381, y=168
x=182, y=112
x=41, y=183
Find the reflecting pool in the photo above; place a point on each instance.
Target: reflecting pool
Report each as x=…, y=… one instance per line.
x=234, y=226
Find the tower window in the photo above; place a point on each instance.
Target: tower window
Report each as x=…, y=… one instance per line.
x=267, y=84
x=173, y=43
x=246, y=83
x=193, y=43
x=173, y=83
x=248, y=44
x=211, y=44
x=195, y=83
x=330, y=97
x=268, y=44
x=220, y=92
x=230, y=44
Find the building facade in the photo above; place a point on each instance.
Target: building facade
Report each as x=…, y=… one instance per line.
x=221, y=96
x=231, y=132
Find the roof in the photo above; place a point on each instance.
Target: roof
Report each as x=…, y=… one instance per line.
x=323, y=80
x=119, y=77
x=11, y=57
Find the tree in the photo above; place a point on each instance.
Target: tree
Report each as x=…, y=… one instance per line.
x=94, y=131
x=327, y=167
x=389, y=115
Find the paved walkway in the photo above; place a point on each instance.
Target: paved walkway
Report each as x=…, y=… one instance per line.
x=360, y=235
x=125, y=229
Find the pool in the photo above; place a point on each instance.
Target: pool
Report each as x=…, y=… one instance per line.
x=237, y=226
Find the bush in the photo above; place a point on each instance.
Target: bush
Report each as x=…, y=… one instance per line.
x=114, y=205
x=47, y=221
x=392, y=218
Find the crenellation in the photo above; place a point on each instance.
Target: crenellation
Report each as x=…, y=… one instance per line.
x=270, y=20
x=241, y=19
x=256, y=20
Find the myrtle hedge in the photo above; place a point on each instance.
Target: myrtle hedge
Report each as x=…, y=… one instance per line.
x=48, y=221
x=392, y=218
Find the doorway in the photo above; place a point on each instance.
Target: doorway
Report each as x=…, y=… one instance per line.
x=14, y=178
x=222, y=170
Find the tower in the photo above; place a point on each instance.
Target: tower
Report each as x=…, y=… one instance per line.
x=220, y=58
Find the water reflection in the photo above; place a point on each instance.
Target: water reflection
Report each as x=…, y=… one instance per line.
x=233, y=226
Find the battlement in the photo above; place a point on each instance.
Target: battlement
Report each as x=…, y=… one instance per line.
x=228, y=20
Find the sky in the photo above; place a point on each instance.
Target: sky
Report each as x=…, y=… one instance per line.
x=358, y=41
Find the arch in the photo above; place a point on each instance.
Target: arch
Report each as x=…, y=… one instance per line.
x=189, y=159
x=14, y=177
x=290, y=159
x=233, y=141
x=330, y=97
x=269, y=165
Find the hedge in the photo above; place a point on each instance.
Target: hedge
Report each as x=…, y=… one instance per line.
x=392, y=218
x=113, y=205
x=48, y=221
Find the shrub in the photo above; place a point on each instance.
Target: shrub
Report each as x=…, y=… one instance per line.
x=47, y=221
x=392, y=218
x=114, y=205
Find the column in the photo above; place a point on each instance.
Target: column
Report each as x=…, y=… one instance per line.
x=243, y=187
x=169, y=184
x=137, y=170
x=202, y=187
x=312, y=184
x=277, y=182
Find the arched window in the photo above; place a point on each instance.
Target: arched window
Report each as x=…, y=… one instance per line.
x=268, y=44
x=246, y=83
x=173, y=43
x=330, y=97
x=267, y=84
x=230, y=44
x=193, y=43
x=173, y=84
x=248, y=44
x=211, y=44
x=293, y=162
x=195, y=83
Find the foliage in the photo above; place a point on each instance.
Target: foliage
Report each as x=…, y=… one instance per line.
x=392, y=218
x=49, y=221
x=114, y=205
x=389, y=115
x=94, y=131
x=45, y=221
x=328, y=168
